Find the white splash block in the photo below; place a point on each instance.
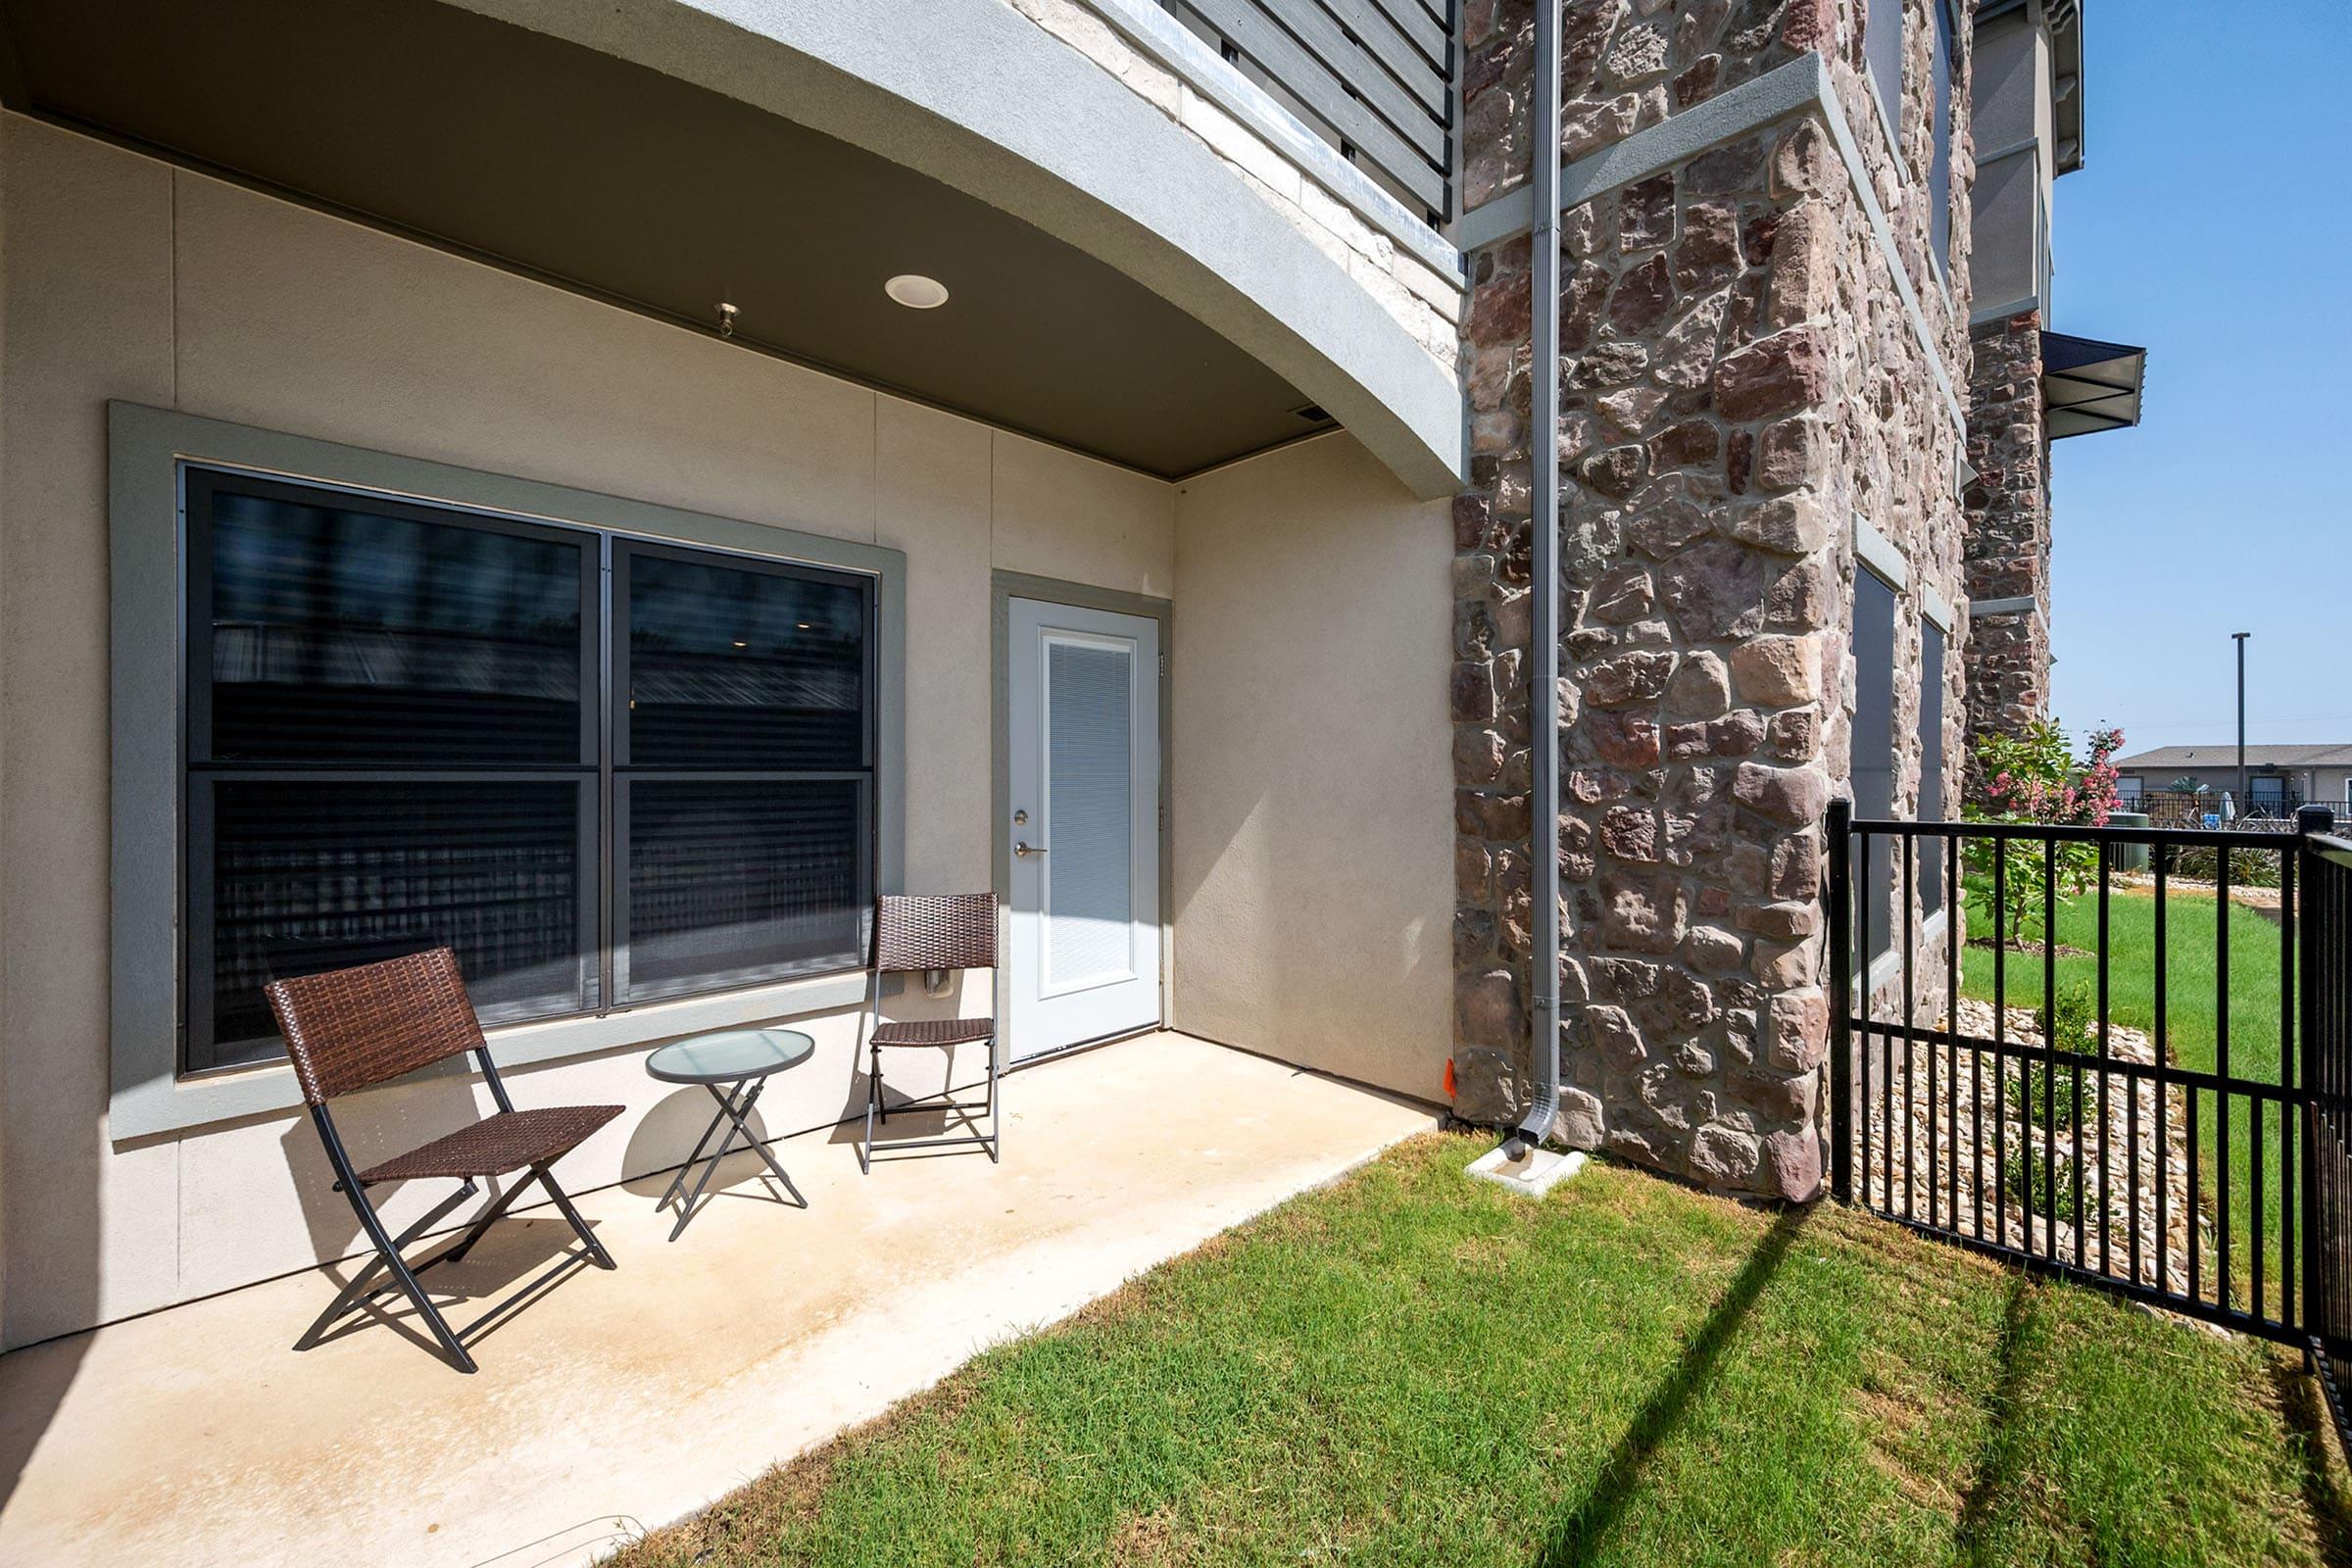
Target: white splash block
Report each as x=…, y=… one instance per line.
x=1538, y=1173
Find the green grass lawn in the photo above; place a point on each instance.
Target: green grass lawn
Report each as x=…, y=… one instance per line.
x=2192, y=1013
x=1415, y=1368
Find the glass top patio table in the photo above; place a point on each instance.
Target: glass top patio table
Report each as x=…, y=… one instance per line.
x=729, y=1057
x=733, y=1066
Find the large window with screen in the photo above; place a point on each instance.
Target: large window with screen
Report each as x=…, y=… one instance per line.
x=602, y=769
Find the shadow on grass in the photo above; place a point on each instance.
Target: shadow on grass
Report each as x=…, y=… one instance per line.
x=2297, y=1391
x=1574, y=1539
x=1997, y=1471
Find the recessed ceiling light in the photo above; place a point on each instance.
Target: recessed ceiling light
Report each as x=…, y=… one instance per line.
x=917, y=292
x=742, y=645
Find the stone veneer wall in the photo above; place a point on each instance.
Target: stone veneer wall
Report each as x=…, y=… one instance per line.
x=2009, y=529
x=1427, y=303
x=1740, y=380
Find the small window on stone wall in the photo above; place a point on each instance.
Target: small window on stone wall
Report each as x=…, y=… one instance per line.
x=1883, y=46
x=1931, y=764
x=1939, y=164
x=1872, y=762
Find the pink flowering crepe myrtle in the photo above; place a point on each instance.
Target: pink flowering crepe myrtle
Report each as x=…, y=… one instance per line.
x=2035, y=777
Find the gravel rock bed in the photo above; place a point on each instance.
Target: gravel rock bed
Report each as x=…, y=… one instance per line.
x=1939, y=1112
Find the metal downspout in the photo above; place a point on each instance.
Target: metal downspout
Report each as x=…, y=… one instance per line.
x=1544, y=663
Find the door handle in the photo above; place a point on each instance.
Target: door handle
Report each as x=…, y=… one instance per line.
x=1020, y=851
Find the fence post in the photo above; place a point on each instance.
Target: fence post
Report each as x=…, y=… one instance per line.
x=1841, y=898
x=2309, y=819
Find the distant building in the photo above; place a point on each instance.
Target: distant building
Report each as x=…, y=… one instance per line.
x=2278, y=778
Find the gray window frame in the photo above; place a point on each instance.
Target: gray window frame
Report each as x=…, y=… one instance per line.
x=149, y=451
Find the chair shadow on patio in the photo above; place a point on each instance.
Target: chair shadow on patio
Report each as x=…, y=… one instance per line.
x=519, y=1261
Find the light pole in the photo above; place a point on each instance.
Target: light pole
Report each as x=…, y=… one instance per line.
x=2239, y=638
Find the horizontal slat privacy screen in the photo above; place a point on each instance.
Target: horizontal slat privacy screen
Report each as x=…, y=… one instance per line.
x=395, y=741
x=1373, y=77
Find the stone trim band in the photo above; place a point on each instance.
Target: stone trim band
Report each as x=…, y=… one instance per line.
x=1800, y=86
x=1984, y=609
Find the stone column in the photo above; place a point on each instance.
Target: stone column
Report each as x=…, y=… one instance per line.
x=1703, y=583
x=2008, y=541
x=1740, y=380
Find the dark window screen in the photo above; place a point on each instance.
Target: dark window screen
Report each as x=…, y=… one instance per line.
x=394, y=744
x=745, y=739
x=1931, y=762
x=342, y=633
x=744, y=879
x=328, y=872
x=1873, y=763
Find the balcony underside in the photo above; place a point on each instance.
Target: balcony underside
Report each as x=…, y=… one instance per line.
x=630, y=179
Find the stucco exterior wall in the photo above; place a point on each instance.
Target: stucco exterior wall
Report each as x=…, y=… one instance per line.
x=129, y=279
x=1312, y=823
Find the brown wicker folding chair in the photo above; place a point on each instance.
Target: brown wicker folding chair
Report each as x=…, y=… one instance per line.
x=954, y=931
x=351, y=1028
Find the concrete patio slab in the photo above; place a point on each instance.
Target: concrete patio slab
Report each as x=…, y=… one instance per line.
x=613, y=1401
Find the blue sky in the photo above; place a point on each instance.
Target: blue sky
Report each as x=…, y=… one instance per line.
x=2212, y=222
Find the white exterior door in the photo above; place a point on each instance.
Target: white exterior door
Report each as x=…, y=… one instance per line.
x=1083, y=739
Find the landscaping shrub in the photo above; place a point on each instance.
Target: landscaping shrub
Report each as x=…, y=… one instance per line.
x=2035, y=777
x=2048, y=1192
x=2076, y=1027
x=2074, y=1032
x=2248, y=868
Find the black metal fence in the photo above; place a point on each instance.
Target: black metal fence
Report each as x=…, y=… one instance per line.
x=2143, y=1084
x=2325, y=1003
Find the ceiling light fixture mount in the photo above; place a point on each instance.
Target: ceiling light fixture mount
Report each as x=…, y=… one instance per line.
x=917, y=292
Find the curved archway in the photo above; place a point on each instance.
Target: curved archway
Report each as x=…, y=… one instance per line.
x=972, y=93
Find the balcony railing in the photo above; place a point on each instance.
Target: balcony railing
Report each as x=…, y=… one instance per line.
x=1373, y=77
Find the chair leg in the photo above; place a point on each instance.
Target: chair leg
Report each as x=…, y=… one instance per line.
x=451, y=1350
x=873, y=1091
x=364, y=1284
x=995, y=1112
x=571, y=1216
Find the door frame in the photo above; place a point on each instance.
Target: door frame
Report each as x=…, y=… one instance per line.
x=1004, y=588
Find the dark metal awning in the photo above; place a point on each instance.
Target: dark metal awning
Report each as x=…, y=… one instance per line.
x=2089, y=386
